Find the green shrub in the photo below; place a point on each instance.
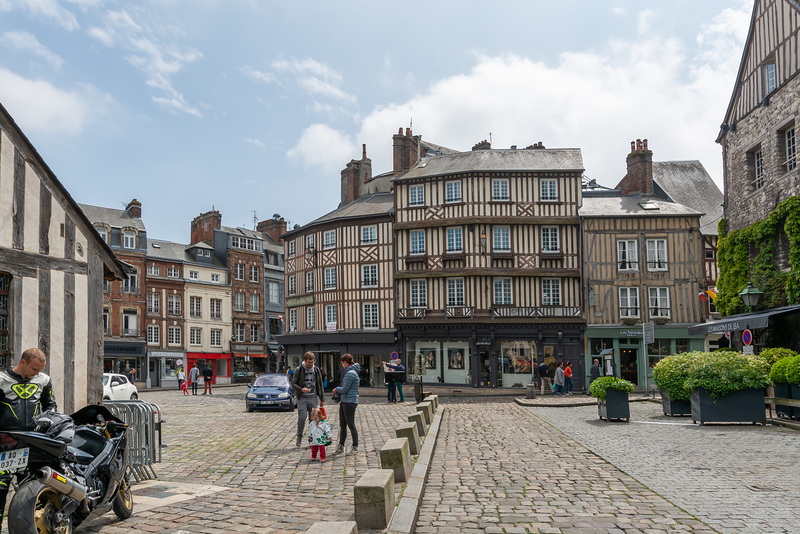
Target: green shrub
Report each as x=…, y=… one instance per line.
x=793, y=371
x=778, y=372
x=670, y=374
x=774, y=354
x=724, y=349
x=600, y=385
x=722, y=373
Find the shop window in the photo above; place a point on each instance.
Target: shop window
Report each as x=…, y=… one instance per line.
x=517, y=362
x=598, y=344
x=660, y=348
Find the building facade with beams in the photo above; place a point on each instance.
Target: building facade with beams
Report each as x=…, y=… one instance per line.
x=487, y=261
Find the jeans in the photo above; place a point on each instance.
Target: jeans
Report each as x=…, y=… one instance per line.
x=347, y=419
x=194, y=388
x=391, y=395
x=304, y=406
x=567, y=384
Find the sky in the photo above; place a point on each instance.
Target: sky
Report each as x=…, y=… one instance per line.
x=253, y=107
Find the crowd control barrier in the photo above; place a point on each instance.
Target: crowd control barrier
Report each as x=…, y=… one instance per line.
x=144, y=435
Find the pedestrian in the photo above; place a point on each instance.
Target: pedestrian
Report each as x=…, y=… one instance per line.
x=594, y=373
x=348, y=392
x=544, y=376
x=25, y=391
x=307, y=385
x=132, y=375
x=559, y=379
x=181, y=377
x=568, y=378
x=185, y=387
x=396, y=365
x=319, y=434
x=194, y=374
x=208, y=376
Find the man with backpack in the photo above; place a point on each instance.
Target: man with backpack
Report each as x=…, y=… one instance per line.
x=544, y=377
x=307, y=384
x=208, y=376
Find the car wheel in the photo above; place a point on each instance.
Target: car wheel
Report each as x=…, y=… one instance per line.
x=292, y=406
x=134, y=396
x=249, y=409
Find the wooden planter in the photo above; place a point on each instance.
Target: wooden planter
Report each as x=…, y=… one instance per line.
x=783, y=391
x=674, y=407
x=746, y=406
x=615, y=406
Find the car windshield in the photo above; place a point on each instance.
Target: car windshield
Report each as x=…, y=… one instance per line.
x=267, y=381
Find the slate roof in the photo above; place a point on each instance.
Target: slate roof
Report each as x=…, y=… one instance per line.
x=169, y=251
x=253, y=234
x=112, y=217
x=612, y=204
x=366, y=206
x=688, y=183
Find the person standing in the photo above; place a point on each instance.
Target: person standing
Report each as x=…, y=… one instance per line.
x=25, y=391
x=559, y=379
x=348, y=392
x=132, y=375
x=544, y=377
x=208, y=376
x=307, y=386
x=181, y=377
x=568, y=379
x=594, y=373
x=396, y=365
x=194, y=375
x=319, y=434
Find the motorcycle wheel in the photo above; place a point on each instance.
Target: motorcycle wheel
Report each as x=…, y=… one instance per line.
x=33, y=507
x=123, y=500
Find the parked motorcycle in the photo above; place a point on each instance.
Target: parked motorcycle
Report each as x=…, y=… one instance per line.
x=67, y=468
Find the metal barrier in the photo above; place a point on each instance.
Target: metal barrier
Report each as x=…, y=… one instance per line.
x=144, y=435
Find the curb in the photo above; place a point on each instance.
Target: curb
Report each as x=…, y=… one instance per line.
x=552, y=403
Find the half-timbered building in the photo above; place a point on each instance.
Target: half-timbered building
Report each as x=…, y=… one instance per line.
x=52, y=268
x=488, y=261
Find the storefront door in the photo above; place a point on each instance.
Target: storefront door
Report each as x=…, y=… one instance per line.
x=629, y=365
x=484, y=367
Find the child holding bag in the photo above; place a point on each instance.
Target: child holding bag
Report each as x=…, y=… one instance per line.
x=319, y=433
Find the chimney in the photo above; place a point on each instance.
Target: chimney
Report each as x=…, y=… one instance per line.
x=483, y=145
x=639, y=179
x=203, y=227
x=406, y=151
x=274, y=228
x=354, y=174
x=134, y=208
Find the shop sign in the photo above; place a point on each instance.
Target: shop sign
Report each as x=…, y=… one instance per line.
x=164, y=354
x=123, y=349
x=630, y=333
x=305, y=300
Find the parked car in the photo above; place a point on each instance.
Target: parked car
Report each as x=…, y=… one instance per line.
x=270, y=391
x=118, y=387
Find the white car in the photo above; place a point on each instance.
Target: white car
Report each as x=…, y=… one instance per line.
x=118, y=387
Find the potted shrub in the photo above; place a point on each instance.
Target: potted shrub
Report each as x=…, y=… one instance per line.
x=670, y=376
x=612, y=397
x=728, y=387
x=782, y=389
x=793, y=378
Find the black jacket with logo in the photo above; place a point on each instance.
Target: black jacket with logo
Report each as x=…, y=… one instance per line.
x=23, y=398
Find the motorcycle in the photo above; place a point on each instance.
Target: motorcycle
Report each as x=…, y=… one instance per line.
x=67, y=468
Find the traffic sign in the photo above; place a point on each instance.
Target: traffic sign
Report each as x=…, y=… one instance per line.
x=394, y=356
x=649, y=332
x=747, y=337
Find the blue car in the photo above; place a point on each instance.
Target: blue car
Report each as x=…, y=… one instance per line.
x=270, y=391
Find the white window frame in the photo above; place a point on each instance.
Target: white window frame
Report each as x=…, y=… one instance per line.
x=254, y=304
x=153, y=302
x=309, y=281
x=291, y=249
x=369, y=235
x=329, y=239
x=455, y=240
x=369, y=275
x=216, y=337
x=658, y=302
x=195, y=336
x=215, y=308
x=500, y=190
x=194, y=275
x=174, y=304
x=309, y=241
x=790, y=148
x=238, y=301
x=455, y=292
x=418, y=293
x=273, y=292
x=103, y=233
x=215, y=278
x=173, y=272
x=452, y=191
x=503, y=294
x=153, y=270
x=548, y=190
x=770, y=79
x=238, y=271
x=129, y=316
x=310, y=318
x=417, y=242
x=657, y=255
x=501, y=239
x=629, y=302
x=128, y=239
x=416, y=195
x=131, y=284
x=627, y=249
x=758, y=169
x=331, y=315
x=195, y=306
x=550, y=239
x=330, y=277
x=551, y=292
x=293, y=320
x=254, y=333
x=371, y=315
x=174, y=335
x=254, y=274
x=240, y=333
x=292, y=284
x=153, y=334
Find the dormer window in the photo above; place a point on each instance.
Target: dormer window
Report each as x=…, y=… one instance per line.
x=128, y=240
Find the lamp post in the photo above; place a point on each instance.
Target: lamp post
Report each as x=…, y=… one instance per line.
x=311, y=255
x=750, y=295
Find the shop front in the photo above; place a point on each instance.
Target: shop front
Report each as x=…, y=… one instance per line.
x=250, y=360
x=164, y=365
x=123, y=356
x=220, y=363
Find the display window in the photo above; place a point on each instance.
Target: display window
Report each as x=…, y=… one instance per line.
x=517, y=362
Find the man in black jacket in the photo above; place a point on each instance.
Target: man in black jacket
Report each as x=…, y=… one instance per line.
x=25, y=392
x=307, y=386
x=208, y=376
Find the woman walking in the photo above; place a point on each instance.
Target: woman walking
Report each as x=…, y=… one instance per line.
x=348, y=392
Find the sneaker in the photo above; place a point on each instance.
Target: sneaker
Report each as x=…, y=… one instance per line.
x=298, y=442
x=353, y=450
x=322, y=460
x=339, y=449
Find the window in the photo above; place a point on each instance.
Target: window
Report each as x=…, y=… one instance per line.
x=329, y=239
x=195, y=336
x=790, y=149
x=246, y=243
x=419, y=293
x=273, y=292
x=153, y=270
x=293, y=320
x=130, y=323
x=455, y=291
x=216, y=337
x=550, y=239
x=103, y=234
x=548, y=190
x=292, y=284
x=627, y=259
x=551, y=292
x=129, y=240
x=769, y=77
x=416, y=195
x=417, y=241
x=195, y=306
x=216, y=308
x=254, y=333
x=4, y=324
x=174, y=304
x=130, y=284
x=501, y=239
x=454, y=240
x=502, y=291
x=758, y=169
x=207, y=253
x=659, y=301
x=194, y=275
x=309, y=281
x=310, y=318
x=452, y=192
x=330, y=316
x=500, y=189
x=238, y=303
x=153, y=334
x=239, y=271
x=153, y=304
x=239, y=333
x=291, y=249
x=656, y=254
x=330, y=277
x=254, y=303
x=254, y=274
x=173, y=272
x=215, y=278
x=629, y=302
x=369, y=235
x=710, y=254
x=106, y=286
x=309, y=241
x=371, y=315
x=369, y=275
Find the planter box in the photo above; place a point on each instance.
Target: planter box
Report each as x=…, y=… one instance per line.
x=745, y=406
x=674, y=407
x=783, y=391
x=615, y=406
x=795, y=390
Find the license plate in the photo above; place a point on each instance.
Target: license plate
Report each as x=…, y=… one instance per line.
x=267, y=402
x=12, y=460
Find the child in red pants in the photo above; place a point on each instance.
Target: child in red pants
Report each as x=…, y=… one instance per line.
x=185, y=387
x=319, y=434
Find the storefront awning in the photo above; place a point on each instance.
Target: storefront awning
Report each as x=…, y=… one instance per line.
x=742, y=321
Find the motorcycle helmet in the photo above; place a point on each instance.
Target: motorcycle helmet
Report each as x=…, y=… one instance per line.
x=55, y=425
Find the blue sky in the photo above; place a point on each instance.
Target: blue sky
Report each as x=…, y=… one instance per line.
x=256, y=106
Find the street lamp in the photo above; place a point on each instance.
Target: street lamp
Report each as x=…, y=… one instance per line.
x=311, y=255
x=750, y=295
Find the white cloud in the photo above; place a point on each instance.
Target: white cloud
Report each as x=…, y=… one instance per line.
x=49, y=10
x=255, y=142
x=320, y=146
x=24, y=41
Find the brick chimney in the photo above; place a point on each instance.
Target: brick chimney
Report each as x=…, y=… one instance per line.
x=134, y=208
x=406, y=150
x=483, y=145
x=274, y=228
x=639, y=179
x=354, y=174
x=203, y=227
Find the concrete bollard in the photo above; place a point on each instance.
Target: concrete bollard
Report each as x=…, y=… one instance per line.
x=395, y=456
x=411, y=433
x=374, y=498
x=427, y=412
x=530, y=392
x=333, y=527
x=434, y=400
x=419, y=420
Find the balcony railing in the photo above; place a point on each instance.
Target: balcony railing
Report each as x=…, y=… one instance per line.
x=130, y=332
x=536, y=312
x=459, y=311
x=411, y=313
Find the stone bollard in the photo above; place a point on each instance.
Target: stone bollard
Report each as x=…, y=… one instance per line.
x=427, y=413
x=530, y=392
x=411, y=433
x=419, y=420
x=434, y=400
x=374, y=498
x=394, y=455
x=333, y=527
